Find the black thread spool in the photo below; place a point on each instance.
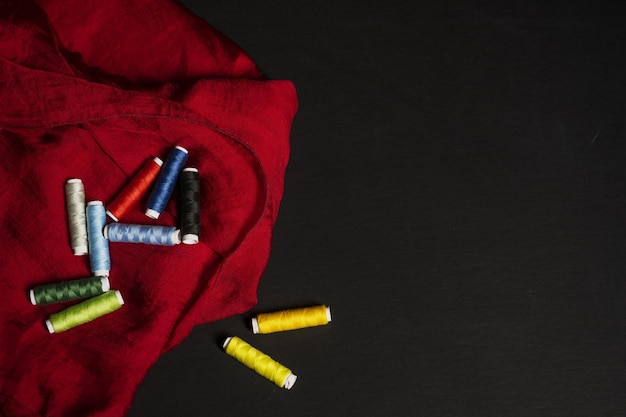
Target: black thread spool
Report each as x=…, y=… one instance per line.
x=189, y=204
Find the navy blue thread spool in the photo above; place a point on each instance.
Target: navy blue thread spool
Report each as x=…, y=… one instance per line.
x=98, y=244
x=189, y=205
x=146, y=234
x=166, y=181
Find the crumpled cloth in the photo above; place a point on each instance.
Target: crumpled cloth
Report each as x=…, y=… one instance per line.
x=92, y=89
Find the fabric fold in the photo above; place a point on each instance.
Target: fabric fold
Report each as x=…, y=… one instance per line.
x=93, y=94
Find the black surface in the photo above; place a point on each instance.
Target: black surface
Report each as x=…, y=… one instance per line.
x=456, y=193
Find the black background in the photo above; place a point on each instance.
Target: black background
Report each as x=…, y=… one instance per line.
x=456, y=194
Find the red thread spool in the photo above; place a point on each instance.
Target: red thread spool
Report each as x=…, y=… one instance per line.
x=136, y=188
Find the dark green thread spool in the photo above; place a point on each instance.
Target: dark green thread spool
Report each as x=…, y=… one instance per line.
x=69, y=290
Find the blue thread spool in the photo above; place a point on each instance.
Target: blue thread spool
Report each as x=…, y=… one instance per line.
x=166, y=181
x=98, y=244
x=136, y=233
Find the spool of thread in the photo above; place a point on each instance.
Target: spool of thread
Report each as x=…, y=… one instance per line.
x=135, y=189
x=166, y=181
x=189, y=203
x=98, y=244
x=297, y=318
x=263, y=364
x=85, y=312
x=69, y=290
x=136, y=233
x=75, y=201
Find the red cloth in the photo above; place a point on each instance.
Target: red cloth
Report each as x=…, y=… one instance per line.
x=91, y=89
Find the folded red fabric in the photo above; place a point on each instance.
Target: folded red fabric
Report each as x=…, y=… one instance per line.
x=91, y=89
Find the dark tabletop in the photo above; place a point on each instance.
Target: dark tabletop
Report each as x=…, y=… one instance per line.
x=456, y=193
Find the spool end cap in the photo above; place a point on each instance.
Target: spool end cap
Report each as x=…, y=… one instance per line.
x=81, y=250
x=115, y=219
x=180, y=148
x=118, y=294
x=226, y=342
x=176, y=236
x=106, y=285
x=290, y=381
x=190, y=239
x=255, y=325
x=152, y=214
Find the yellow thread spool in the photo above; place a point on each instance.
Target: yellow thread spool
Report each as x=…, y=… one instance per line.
x=263, y=364
x=298, y=318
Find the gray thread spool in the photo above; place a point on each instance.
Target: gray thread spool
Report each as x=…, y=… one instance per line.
x=75, y=200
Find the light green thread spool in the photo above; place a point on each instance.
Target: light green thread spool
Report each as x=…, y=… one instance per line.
x=76, y=289
x=85, y=312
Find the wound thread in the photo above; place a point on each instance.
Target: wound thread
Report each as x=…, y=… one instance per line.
x=75, y=202
x=263, y=364
x=85, y=312
x=298, y=318
x=135, y=189
x=136, y=233
x=166, y=181
x=68, y=290
x=189, y=205
x=98, y=244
